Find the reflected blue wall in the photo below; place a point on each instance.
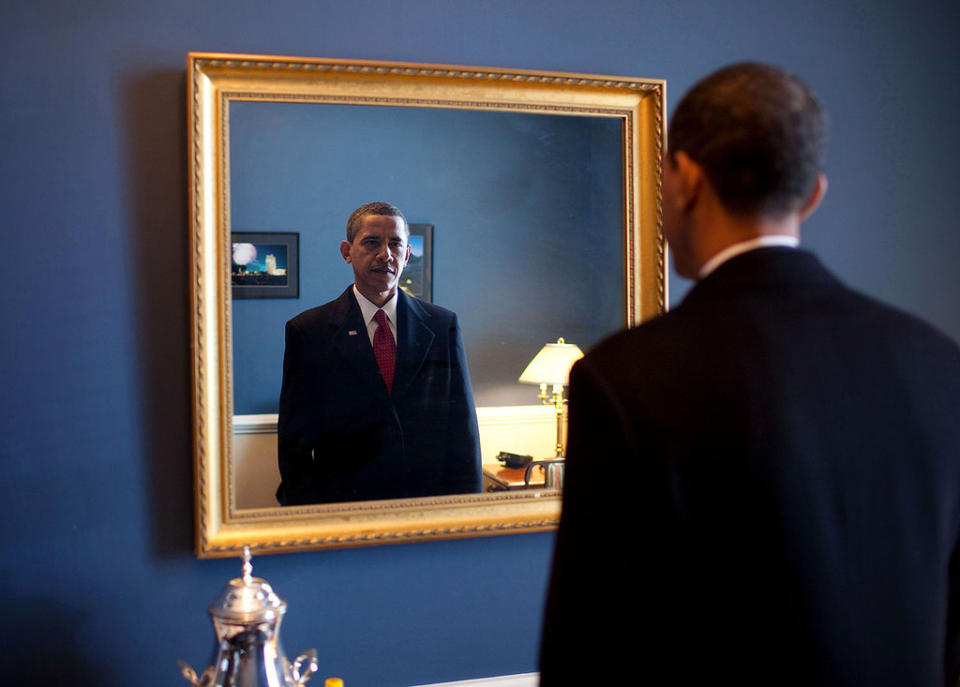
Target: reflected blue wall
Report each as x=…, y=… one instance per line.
x=526, y=212
x=96, y=568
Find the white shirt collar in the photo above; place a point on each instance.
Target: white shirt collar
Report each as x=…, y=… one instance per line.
x=744, y=246
x=369, y=311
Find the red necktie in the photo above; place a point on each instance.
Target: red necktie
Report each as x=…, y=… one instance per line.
x=384, y=348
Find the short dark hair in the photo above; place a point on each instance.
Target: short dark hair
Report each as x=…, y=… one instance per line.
x=375, y=208
x=758, y=132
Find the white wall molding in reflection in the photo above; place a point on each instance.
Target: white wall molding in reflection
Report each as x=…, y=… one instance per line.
x=255, y=424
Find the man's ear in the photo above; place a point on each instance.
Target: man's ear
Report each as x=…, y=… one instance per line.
x=813, y=202
x=691, y=178
x=345, y=250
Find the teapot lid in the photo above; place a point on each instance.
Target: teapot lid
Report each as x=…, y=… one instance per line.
x=248, y=598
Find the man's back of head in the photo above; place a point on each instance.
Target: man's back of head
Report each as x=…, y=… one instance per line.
x=744, y=163
x=758, y=132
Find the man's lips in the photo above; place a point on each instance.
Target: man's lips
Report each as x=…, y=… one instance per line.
x=383, y=270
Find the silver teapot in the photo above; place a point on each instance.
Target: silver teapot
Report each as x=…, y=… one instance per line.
x=246, y=618
x=553, y=472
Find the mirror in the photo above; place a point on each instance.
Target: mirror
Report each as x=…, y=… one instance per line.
x=540, y=184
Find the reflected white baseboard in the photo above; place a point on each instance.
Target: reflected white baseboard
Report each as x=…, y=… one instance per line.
x=523, y=680
x=527, y=430
x=255, y=424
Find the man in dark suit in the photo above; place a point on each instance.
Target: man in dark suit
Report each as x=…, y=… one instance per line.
x=376, y=401
x=763, y=485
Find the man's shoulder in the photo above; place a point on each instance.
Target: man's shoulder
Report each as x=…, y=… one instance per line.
x=656, y=333
x=427, y=310
x=320, y=315
x=892, y=323
x=714, y=329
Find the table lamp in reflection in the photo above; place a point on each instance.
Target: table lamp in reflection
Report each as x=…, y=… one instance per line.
x=551, y=366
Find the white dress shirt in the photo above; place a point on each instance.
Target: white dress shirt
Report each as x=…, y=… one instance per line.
x=744, y=246
x=369, y=311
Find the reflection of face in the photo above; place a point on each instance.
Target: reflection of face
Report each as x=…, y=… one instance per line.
x=378, y=254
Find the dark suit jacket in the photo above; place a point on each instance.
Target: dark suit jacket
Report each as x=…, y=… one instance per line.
x=763, y=487
x=343, y=437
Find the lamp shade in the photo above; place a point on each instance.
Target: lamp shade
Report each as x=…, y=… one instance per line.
x=552, y=364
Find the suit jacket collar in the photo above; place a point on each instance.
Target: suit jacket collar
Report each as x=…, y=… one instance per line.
x=774, y=268
x=351, y=342
x=345, y=307
x=414, y=338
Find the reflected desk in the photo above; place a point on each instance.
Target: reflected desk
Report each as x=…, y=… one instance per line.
x=496, y=477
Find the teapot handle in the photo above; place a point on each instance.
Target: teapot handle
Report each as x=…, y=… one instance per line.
x=526, y=473
x=310, y=656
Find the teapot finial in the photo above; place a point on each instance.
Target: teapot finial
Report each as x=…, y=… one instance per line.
x=247, y=565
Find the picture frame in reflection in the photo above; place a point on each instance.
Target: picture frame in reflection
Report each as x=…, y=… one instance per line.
x=265, y=264
x=417, y=277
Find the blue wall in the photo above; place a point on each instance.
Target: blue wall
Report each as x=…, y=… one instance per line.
x=98, y=579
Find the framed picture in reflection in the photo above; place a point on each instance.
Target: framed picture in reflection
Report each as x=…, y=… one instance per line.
x=417, y=277
x=265, y=264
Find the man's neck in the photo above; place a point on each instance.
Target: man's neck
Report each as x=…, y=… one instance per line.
x=382, y=299
x=378, y=299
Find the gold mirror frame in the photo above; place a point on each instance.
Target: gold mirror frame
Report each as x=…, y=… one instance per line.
x=216, y=79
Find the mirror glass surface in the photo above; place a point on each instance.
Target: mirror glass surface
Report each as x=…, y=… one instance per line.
x=545, y=224
x=527, y=213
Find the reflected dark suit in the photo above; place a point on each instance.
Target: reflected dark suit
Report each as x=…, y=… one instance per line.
x=763, y=485
x=344, y=437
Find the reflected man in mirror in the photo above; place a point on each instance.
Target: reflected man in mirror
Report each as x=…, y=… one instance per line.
x=376, y=401
x=763, y=485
